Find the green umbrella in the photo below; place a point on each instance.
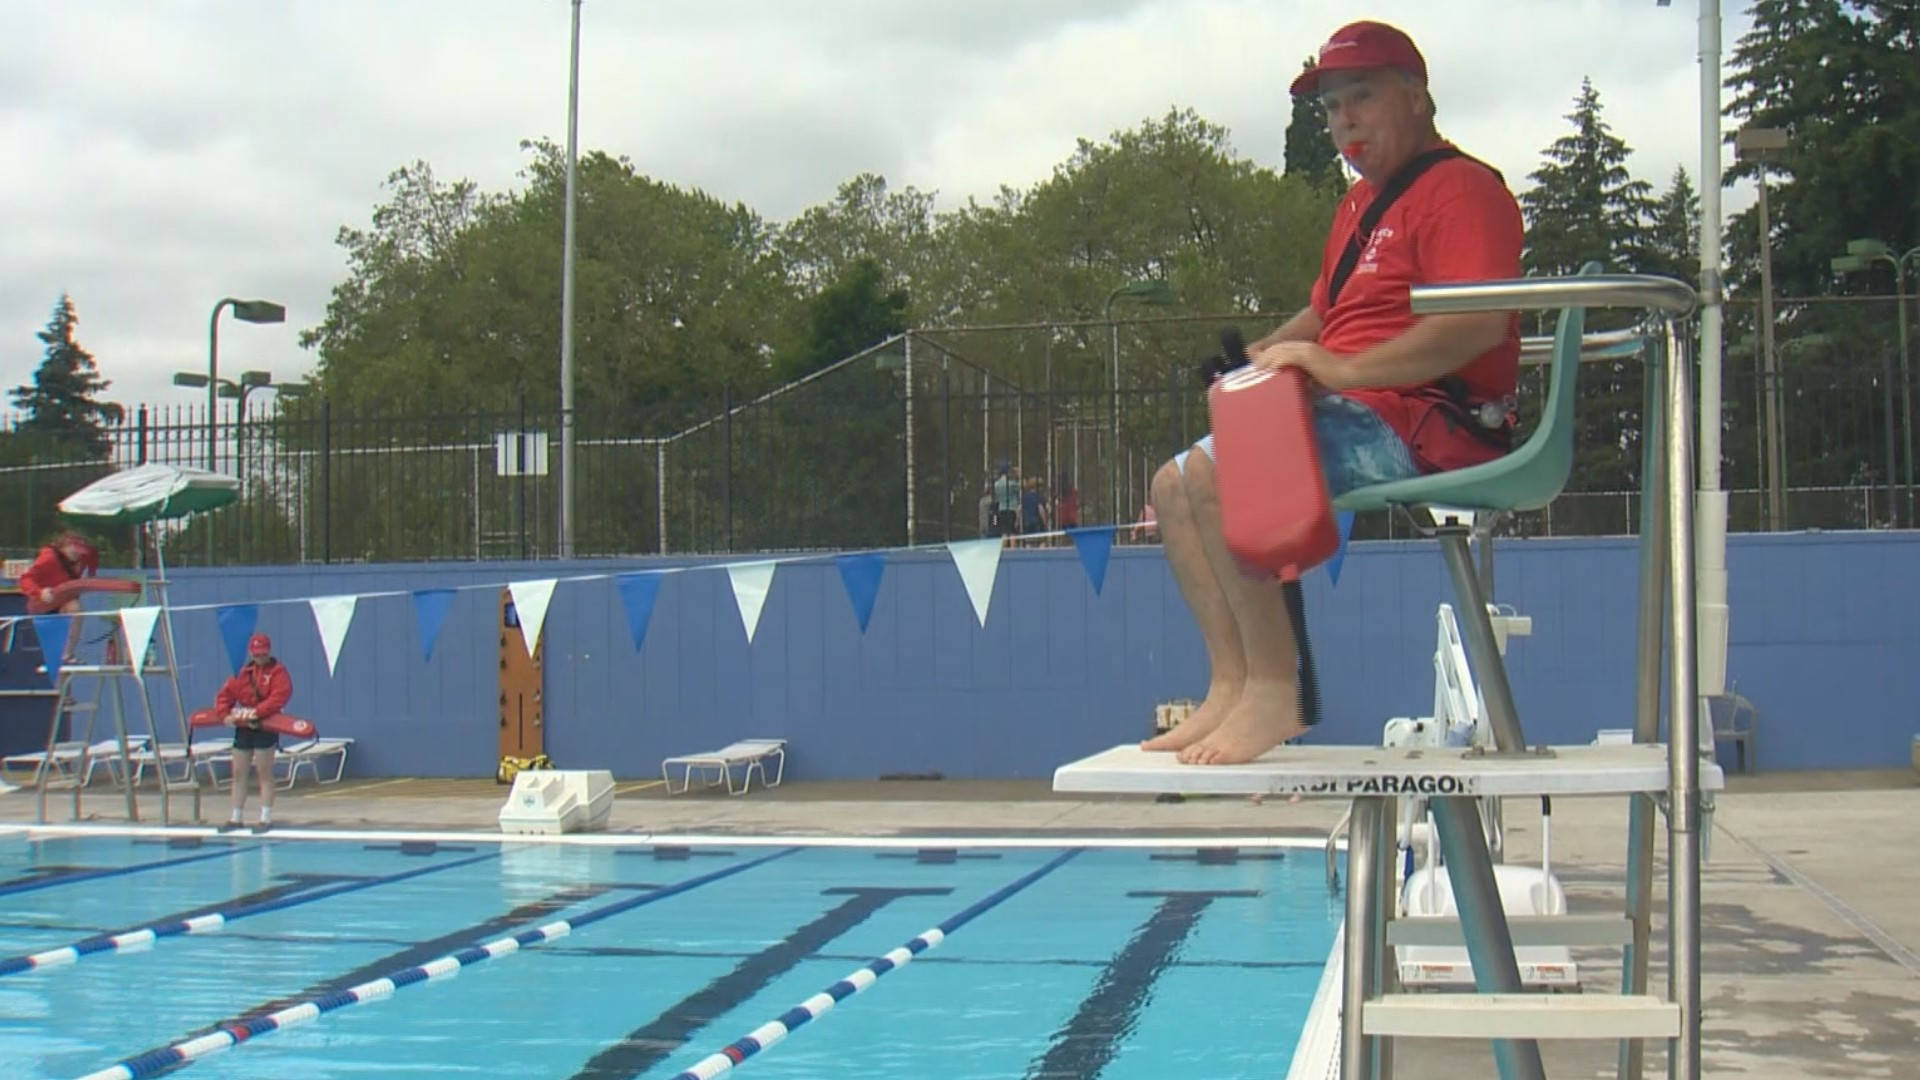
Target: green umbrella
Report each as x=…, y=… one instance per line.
x=149, y=493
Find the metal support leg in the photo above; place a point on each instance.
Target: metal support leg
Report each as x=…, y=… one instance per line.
x=1683, y=724
x=1477, y=628
x=1386, y=969
x=1483, y=922
x=1363, y=948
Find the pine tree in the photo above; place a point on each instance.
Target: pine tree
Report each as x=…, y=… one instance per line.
x=1673, y=234
x=1310, y=153
x=1585, y=205
x=62, y=407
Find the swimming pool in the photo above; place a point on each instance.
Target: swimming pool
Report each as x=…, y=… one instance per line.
x=1056, y=962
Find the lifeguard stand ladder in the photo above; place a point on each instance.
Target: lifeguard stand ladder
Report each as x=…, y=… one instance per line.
x=1670, y=776
x=108, y=678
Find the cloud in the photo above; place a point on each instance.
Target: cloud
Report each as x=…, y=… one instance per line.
x=166, y=154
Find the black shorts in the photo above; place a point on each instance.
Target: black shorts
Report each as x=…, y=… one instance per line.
x=252, y=738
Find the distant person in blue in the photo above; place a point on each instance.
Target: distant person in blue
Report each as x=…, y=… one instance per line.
x=1006, y=501
x=1033, y=508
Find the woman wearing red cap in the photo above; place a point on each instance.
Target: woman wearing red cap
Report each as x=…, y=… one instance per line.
x=258, y=690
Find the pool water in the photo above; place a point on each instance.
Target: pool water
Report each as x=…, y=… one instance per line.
x=1097, y=962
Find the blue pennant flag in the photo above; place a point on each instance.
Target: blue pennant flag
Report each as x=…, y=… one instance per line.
x=1345, y=518
x=236, y=626
x=637, y=593
x=861, y=575
x=53, y=641
x=430, y=607
x=1095, y=545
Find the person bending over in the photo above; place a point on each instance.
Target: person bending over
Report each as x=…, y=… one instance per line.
x=1395, y=395
x=261, y=688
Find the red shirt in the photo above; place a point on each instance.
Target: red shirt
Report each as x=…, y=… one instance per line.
x=49, y=569
x=1458, y=222
x=266, y=687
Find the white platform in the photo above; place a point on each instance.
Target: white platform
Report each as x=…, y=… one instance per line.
x=1346, y=772
x=548, y=801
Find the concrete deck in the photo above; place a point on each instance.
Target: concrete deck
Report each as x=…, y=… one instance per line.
x=1811, y=920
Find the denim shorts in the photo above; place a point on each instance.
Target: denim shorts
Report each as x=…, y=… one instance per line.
x=1357, y=448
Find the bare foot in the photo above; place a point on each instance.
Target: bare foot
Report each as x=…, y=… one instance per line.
x=1267, y=714
x=1199, y=723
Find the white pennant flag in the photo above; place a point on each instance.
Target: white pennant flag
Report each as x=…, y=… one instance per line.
x=751, y=581
x=138, y=622
x=530, y=600
x=333, y=615
x=979, y=563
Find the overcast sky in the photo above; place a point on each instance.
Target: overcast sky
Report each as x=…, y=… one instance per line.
x=159, y=155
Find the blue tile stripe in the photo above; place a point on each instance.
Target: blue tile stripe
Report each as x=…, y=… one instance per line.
x=149, y=933
x=118, y=871
x=774, y=1030
x=170, y=1057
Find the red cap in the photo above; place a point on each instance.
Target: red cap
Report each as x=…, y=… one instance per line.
x=259, y=643
x=1358, y=47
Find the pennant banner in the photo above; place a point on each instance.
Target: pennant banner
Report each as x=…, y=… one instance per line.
x=1095, y=545
x=236, y=626
x=430, y=607
x=861, y=575
x=751, y=581
x=138, y=622
x=332, y=615
x=52, y=630
x=637, y=593
x=1345, y=519
x=979, y=563
x=530, y=600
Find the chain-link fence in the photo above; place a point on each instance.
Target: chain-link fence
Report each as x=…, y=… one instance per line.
x=902, y=444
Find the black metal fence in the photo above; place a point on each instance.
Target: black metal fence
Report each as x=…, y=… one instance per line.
x=900, y=443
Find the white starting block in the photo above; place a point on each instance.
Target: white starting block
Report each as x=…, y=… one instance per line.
x=551, y=801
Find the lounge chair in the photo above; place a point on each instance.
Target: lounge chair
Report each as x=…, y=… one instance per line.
x=309, y=752
x=716, y=766
x=76, y=759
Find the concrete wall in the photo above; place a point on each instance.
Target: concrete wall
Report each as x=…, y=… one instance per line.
x=1824, y=629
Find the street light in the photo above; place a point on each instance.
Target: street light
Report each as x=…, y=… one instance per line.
x=1757, y=145
x=1150, y=291
x=1860, y=256
x=252, y=311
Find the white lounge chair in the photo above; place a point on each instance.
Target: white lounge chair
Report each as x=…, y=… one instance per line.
x=716, y=766
x=309, y=752
x=76, y=759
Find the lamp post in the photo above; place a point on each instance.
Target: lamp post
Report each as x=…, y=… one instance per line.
x=1757, y=145
x=252, y=311
x=1861, y=255
x=1150, y=291
x=566, y=296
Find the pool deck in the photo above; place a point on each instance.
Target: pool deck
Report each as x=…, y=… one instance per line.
x=1811, y=914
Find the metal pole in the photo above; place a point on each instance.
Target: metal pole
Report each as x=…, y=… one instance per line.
x=1776, y=485
x=726, y=435
x=1474, y=623
x=1906, y=387
x=566, y=296
x=1484, y=924
x=946, y=447
x=1113, y=421
x=1712, y=498
x=1362, y=952
x=1886, y=380
x=907, y=368
x=1654, y=494
x=1683, y=757
x=326, y=480
x=660, y=490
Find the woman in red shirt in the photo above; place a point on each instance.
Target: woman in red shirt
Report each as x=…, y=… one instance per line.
x=258, y=690
x=68, y=557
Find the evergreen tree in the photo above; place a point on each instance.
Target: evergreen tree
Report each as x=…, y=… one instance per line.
x=1585, y=205
x=1310, y=152
x=1673, y=234
x=62, y=407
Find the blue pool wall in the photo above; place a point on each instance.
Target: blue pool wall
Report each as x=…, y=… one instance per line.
x=1823, y=640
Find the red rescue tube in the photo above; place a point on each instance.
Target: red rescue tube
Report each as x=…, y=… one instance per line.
x=278, y=723
x=67, y=591
x=1275, y=513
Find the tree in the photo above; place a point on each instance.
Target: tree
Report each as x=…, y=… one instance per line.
x=1584, y=205
x=1673, y=233
x=847, y=316
x=63, y=410
x=1310, y=152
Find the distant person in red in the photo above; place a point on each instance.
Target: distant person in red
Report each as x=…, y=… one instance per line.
x=69, y=557
x=260, y=689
